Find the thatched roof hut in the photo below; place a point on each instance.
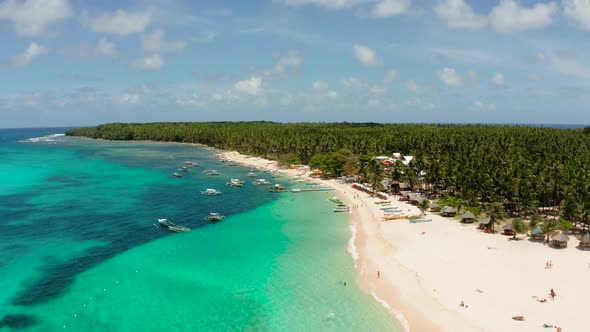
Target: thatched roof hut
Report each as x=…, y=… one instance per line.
x=434, y=207
x=485, y=221
x=537, y=234
x=559, y=240
x=449, y=211
x=508, y=229
x=468, y=217
x=585, y=241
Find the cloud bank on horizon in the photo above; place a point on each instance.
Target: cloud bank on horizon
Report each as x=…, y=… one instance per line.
x=67, y=62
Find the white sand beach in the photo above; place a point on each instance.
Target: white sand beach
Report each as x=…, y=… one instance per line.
x=423, y=271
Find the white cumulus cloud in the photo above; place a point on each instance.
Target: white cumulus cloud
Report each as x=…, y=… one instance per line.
x=150, y=62
x=366, y=55
x=127, y=98
x=288, y=63
x=156, y=42
x=32, y=17
x=104, y=49
x=390, y=76
x=320, y=85
x=498, y=79
x=251, y=86
x=388, y=8
x=459, y=15
x=509, y=16
x=33, y=51
x=413, y=86
x=328, y=4
x=353, y=83
x=484, y=106
x=332, y=94
x=449, y=77
x=120, y=22
x=579, y=11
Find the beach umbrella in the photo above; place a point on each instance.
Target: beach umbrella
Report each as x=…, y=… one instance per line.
x=537, y=231
x=508, y=227
x=585, y=239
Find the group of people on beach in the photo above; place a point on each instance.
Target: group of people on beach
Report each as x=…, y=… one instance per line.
x=548, y=264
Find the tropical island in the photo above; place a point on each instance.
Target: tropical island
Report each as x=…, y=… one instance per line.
x=526, y=180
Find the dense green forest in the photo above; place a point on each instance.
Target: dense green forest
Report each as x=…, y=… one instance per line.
x=524, y=168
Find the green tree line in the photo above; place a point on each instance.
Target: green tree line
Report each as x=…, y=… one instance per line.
x=522, y=167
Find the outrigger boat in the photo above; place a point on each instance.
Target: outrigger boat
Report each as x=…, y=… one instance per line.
x=235, y=183
x=176, y=175
x=183, y=169
x=335, y=200
x=210, y=192
x=277, y=188
x=191, y=163
x=211, y=172
x=341, y=208
x=415, y=221
x=165, y=223
x=215, y=217
x=252, y=174
x=261, y=182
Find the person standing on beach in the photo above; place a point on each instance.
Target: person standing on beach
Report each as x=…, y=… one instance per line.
x=378, y=274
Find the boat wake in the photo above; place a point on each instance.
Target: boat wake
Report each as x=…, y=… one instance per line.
x=48, y=138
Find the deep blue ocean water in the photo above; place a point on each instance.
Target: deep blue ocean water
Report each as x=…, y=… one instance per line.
x=79, y=252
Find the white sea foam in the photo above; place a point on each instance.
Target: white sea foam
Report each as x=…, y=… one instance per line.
x=351, y=246
x=398, y=315
x=48, y=138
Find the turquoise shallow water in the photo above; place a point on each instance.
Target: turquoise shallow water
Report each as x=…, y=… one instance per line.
x=78, y=250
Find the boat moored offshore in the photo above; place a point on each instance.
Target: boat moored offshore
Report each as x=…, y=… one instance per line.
x=235, y=183
x=165, y=223
x=214, y=217
x=277, y=188
x=210, y=192
x=261, y=182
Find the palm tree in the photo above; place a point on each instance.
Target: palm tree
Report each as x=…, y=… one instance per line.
x=496, y=212
x=424, y=205
x=375, y=174
x=549, y=226
x=519, y=227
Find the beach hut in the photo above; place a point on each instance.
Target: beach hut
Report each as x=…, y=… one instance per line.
x=449, y=211
x=416, y=199
x=537, y=234
x=559, y=240
x=468, y=217
x=434, y=207
x=508, y=229
x=585, y=241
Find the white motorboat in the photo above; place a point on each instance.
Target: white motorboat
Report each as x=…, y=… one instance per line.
x=210, y=192
x=341, y=208
x=235, y=183
x=165, y=223
x=261, y=182
x=214, y=216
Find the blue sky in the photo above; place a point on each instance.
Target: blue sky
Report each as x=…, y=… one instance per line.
x=73, y=62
